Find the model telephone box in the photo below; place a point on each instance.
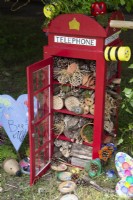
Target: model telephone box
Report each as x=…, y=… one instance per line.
x=71, y=36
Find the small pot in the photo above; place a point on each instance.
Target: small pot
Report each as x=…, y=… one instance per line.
x=83, y=136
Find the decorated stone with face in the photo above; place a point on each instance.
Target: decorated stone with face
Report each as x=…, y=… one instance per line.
x=98, y=8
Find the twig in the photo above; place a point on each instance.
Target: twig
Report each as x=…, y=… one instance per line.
x=15, y=3
x=12, y=186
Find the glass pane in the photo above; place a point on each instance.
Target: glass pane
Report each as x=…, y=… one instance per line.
x=41, y=78
x=36, y=139
x=43, y=104
x=42, y=158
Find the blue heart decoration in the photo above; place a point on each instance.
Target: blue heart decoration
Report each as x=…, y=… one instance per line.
x=14, y=118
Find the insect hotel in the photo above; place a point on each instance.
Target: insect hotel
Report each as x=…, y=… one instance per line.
x=76, y=87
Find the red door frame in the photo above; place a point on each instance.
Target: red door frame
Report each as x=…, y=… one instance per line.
x=32, y=124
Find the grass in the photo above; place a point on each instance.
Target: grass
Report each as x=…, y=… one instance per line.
x=21, y=42
x=17, y=188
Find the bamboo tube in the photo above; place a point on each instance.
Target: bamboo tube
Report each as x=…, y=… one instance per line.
x=121, y=24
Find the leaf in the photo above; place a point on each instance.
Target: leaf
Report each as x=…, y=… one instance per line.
x=130, y=96
x=120, y=141
x=123, y=106
x=122, y=2
x=131, y=66
x=131, y=102
x=129, y=5
x=128, y=92
x=131, y=80
x=130, y=126
x=129, y=111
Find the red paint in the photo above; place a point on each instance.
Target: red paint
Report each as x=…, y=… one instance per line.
x=40, y=85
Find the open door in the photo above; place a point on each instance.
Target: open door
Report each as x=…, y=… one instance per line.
x=39, y=77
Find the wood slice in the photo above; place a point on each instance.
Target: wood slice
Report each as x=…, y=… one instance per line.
x=71, y=102
x=89, y=101
x=57, y=103
x=92, y=109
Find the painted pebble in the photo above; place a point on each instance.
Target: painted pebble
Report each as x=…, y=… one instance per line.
x=69, y=197
x=67, y=186
x=59, y=168
x=64, y=176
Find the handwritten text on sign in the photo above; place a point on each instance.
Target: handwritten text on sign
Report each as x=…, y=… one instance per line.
x=76, y=41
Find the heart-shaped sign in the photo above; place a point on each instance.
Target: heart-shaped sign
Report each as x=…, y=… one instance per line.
x=5, y=101
x=14, y=118
x=124, y=166
x=23, y=101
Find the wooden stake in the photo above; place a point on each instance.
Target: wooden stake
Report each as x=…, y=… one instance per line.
x=121, y=24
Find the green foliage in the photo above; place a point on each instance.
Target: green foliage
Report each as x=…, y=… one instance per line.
x=84, y=6
x=126, y=139
x=6, y=151
x=127, y=104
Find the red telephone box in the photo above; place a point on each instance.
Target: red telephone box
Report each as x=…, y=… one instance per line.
x=72, y=36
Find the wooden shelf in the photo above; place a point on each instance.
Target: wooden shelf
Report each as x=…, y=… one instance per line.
x=63, y=137
x=81, y=86
x=65, y=111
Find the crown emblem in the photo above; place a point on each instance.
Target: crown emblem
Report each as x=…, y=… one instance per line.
x=74, y=24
